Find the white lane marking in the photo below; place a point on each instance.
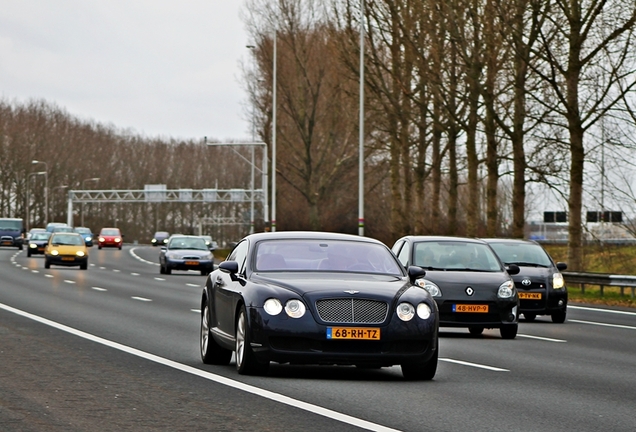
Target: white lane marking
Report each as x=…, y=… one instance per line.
x=116, y=271
x=141, y=299
x=195, y=310
x=132, y=252
x=92, y=265
x=102, y=268
x=35, y=271
x=603, y=324
x=99, y=289
x=159, y=279
x=25, y=268
x=193, y=285
x=48, y=275
x=69, y=281
x=620, y=312
x=134, y=274
x=476, y=365
x=540, y=338
x=286, y=400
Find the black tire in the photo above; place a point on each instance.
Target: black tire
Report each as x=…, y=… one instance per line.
x=119, y=247
x=246, y=361
x=509, y=331
x=205, y=272
x=475, y=330
x=161, y=269
x=47, y=264
x=84, y=266
x=167, y=270
x=99, y=247
x=421, y=371
x=211, y=352
x=20, y=247
x=559, y=316
x=28, y=252
x=529, y=316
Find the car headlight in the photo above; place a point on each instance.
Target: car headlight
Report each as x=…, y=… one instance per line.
x=54, y=252
x=295, y=308
x=102, y=239
x=424, y=311
x=165, y=240
x=80, y=253
x=117, y=239
x=33, y=245
x=557, y=281
x=153, y=241
x=88, y=238
x=273, y=306
x=506, y=289
x=405, y=311
x=429, y=286
x=171, y=255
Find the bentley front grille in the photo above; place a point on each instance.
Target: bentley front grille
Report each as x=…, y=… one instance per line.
x=352, y=311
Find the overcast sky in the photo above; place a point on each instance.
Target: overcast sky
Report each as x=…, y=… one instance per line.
x=159, y=67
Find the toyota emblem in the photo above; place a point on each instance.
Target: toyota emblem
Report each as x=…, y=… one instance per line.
x=470, y=291
x=526, y=282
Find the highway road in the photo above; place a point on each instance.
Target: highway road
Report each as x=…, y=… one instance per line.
x=115, y=347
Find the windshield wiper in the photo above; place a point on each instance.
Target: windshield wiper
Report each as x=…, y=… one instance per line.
x=432, y=268
x=526, y=264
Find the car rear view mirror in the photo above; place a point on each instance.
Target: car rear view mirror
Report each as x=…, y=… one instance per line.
x=561, y=266
x=513, y=269
x=416, y=272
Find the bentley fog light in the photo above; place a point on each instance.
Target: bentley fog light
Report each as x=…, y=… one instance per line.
x=273, y=306
x=405, y=311
x=506, y=289
x=423, y=311
x=557, y=281
x=429, y=286
x=295, y=308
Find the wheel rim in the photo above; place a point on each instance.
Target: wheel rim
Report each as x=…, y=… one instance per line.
x=205, y=329
x=240, y=340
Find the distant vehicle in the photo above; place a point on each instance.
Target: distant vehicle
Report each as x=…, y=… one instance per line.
x=11, y=232
x=87, y=233
x=318, y=298
x=110, y=237
x=51, y=225
x=540, y=284
x=160, y=238
x=471, y=286
x=66, y=249
x=184, y=252
x=61, y=228
x=37, y=242
x=211, y=244
x=34, y=230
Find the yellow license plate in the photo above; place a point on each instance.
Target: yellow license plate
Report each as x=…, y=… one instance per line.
x=192, y=263
x=68, y=259
x=470, y=308
x=7, y=243
x=359, y=333
x=530, y=296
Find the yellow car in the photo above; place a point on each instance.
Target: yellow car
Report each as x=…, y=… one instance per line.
x=66, y=249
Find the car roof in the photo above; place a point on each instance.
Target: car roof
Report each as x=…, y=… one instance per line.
x=309, y=235
x=420, y=238
x=509, y=240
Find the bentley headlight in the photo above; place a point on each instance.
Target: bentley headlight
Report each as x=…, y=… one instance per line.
x=405, y=311
x=295, y=308
x=557, y=281
x=80, y=253
x=506, y=289
x=54, y=252
x=424, y=311
x=429, y=286
x=273, y=306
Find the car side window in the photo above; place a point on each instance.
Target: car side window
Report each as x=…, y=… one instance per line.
x=239, y=254
x=403, y=254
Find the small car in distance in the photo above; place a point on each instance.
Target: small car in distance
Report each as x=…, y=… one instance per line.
x=540, y=284
x=110, y=237
x=211, y=244
x=467, y=280
x=87, y=233
x=66, y=249
x=37, y=243
x=160, y=238
x=317, y=298
x=185, y=252
x=51, y=225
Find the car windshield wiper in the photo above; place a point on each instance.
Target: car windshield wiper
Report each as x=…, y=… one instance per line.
x=527, y=264
x=466, y=269
x=432, y=268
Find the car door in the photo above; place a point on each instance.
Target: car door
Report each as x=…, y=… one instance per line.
x=227, y=290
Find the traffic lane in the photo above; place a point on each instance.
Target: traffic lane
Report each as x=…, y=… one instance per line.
x=53, y=381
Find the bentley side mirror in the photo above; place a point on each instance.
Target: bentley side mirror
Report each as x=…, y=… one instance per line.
x=415, y=272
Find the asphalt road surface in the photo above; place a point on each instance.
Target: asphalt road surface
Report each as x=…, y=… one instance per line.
x=116, y=348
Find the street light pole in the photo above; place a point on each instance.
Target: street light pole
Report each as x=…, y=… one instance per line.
x=273, y=221
x=46, y=189
x=95, y=179
x=252, y=48
x=53, y=199
x=28, y=196
x=361, y=131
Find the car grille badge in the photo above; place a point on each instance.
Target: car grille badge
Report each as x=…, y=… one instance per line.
x=352, y=292
x=470, y=291
x=526, y=282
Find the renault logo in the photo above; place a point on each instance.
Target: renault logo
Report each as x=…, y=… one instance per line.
x=352, y=292
x=526, y=282
x=470, y=291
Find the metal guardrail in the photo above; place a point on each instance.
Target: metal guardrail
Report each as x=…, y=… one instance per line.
x=602, y=280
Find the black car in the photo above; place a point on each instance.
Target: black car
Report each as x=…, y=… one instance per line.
x=540, y=284
x=37, y=242
x=185, y=252
x=317, y=298
x=160, y=238
x=467, y=280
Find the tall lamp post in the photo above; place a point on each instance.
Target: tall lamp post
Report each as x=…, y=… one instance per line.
x=46, y=189
x=252, y=48
x=28, y=196
x=95, y=179
x=361, y=131
x=53, y=199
